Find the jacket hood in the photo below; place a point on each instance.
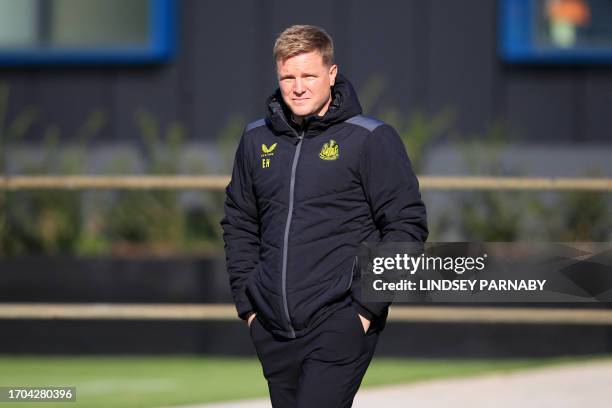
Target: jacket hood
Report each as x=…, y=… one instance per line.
x=344, y=105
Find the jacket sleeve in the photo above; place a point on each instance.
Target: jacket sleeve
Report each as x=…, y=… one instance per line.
x=392, y=190
x=241, y=230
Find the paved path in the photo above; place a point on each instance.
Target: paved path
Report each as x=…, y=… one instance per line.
x=584, y=385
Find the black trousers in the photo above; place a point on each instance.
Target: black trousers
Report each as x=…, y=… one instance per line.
x=322, y=369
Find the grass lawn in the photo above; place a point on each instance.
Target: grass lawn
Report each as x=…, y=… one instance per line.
x=127, y=382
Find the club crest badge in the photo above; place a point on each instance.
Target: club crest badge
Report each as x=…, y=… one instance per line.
x=329, y=151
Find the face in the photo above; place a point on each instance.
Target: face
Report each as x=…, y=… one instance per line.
x=305, y=82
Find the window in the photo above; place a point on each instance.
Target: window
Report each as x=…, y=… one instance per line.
x=86, y=31
x=556, y=31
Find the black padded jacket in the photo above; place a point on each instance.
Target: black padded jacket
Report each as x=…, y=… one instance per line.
x=300, y=202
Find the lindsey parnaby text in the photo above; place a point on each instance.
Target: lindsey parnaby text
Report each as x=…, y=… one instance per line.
x=461, y=285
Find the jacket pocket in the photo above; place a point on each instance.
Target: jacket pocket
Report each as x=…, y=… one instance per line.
x=358, y=319
x=350, y=283
x=251, y=325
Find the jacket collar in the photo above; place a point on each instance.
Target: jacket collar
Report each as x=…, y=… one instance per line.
x=344, y=105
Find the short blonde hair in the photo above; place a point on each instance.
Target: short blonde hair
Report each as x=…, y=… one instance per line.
x=300, y=39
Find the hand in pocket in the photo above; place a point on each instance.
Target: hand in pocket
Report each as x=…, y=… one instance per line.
x=365, y=323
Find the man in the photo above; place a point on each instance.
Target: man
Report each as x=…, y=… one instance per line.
x=312, y=181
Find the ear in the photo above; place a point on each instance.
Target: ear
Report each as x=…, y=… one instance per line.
x=278, y=68
x=333, y=71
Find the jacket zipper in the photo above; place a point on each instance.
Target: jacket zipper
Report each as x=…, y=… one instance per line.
x=287, y=227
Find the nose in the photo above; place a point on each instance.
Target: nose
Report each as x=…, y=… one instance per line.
x=298, y=86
